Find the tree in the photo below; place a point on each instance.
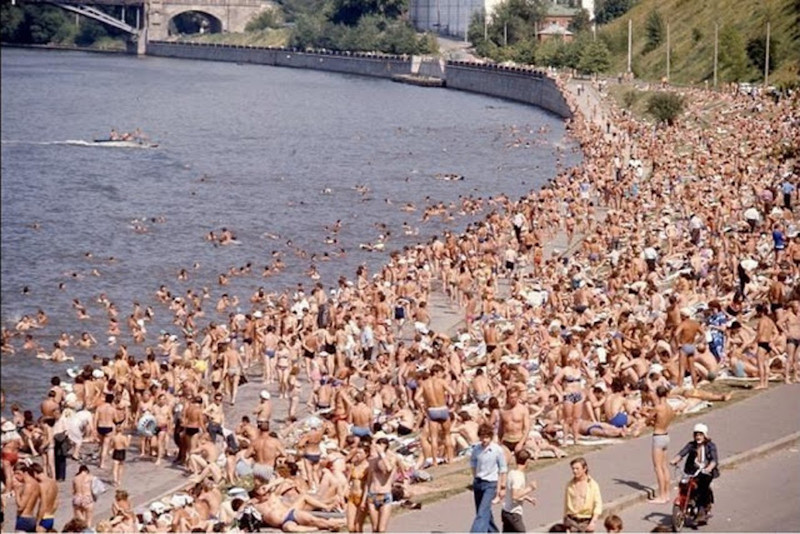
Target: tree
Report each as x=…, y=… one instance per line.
x=594, y=57
x=580, y=22
x=654, y=30
x=269, y=18
x=733, y=63
x=349, y=12
x=665, y=107
x=11, y=18
x=608, y=10
x=45, y=24
x=756, y=52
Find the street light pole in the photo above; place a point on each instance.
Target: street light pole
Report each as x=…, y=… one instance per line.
x=630, y=33
x=766, y=60
x=716, y=51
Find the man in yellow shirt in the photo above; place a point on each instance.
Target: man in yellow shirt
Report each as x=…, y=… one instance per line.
x=583, y=504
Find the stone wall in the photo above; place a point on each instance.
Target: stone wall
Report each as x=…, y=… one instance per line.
x=381, y=66
x=528, y=86
x=520, y=84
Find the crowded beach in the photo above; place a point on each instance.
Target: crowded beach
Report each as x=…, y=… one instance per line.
x=680, y=269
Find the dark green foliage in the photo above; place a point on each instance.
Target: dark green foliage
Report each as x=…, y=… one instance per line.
x=697, y=35
x=608, y=10
x=756, y=52
x=580, y=22
x=594, y=57
x=655, y=31
x=90, y=31
x=665, y=107
x=45, y=24
x=349, y=12
x=629, y=98
x=269, y=18
x=733, y=64
x=11, y=19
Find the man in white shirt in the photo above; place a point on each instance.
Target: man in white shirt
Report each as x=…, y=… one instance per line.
x=517, y=492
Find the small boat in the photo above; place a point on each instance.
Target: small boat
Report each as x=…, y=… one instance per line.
x=119, y=143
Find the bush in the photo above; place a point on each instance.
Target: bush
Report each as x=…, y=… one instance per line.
x=594, y=57
x=665, y=107
x=629, y=98
x=269, y=18
x=733, y=65
x=757, y=49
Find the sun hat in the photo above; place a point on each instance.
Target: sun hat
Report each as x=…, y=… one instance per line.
x=701, y=428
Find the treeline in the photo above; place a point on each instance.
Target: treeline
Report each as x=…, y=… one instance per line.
x=356, y=25
x=46, y=24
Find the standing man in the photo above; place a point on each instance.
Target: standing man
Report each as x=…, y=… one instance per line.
x=515, y=423
x=687, y=335
x=582, y=501
x=517, y=492
x=661, y=416
x=488, y=462
x=433, y=392
x=766, y=333
x=48, y=502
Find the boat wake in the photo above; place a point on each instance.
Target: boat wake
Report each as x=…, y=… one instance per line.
x=82, y=142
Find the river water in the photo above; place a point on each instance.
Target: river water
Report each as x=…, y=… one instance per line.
x=272, y=154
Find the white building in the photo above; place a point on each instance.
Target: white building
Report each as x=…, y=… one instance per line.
x=452, y=17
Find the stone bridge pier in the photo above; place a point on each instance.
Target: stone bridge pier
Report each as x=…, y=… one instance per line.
x=229, y=15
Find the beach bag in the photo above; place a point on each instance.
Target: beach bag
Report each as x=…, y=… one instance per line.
x=98, y=488
x=147, y=425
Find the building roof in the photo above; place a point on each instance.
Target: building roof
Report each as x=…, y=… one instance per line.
x=557, y=10
x=554, y=29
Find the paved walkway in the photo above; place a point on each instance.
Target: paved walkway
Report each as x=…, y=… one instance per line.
x=626, y=468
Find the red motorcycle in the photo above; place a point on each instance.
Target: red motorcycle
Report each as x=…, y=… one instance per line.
x=684, y=508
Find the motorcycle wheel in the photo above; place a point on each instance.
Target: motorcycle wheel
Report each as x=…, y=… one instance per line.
x=678, y=518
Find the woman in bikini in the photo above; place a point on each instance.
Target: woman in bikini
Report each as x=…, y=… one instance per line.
x=356, y=514
x=282, y=366
x=568, y=384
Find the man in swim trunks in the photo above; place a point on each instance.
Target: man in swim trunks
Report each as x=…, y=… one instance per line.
x=27, y=496
x=382, y=468
x=433, y=393
x=290, y=518
x=232, y=368
x=766, y=334
x=661, y=416
x=515, y=424
x=688, y=333
x=362, y=417
x=104, y=423
x=265, y=451
x=48, y=503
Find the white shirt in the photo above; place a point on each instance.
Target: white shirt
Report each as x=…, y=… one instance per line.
x=752, y=214
x=514, y=480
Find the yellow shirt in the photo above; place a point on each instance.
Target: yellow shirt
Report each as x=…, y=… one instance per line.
x=592, y=505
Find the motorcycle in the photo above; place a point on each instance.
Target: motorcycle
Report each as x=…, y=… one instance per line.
x=684, y=508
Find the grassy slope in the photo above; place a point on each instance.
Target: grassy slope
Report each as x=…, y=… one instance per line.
x=692, y=61
x=258, y=38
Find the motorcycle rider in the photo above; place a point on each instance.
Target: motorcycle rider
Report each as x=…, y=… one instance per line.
x=701, y=453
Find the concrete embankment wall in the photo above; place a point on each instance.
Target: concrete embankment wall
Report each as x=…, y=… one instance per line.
x=528, y=86
x=381, y=66
x=520, y=84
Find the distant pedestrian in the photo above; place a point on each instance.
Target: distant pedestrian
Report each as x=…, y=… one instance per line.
x=583, y=504
x=517, y=493
x=488, y=462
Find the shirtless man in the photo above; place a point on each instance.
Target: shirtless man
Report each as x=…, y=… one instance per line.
x=341, y=413
x=104, y=423
x=48, y=503
x=27, y=495
x=790, y=325
x=290, y=518
x=766, y=333
x=688, y=333
x=119, y=449
x=515, y=424
x=377, y=497
x=433, y=392
x=481, y=388
x=361, y=415
x=661, y=416
x=270, y=343
x=263, y=411
x=265, y=451
x=232, y=369
x=193, y=423
x=309, y=443
x=163, y=414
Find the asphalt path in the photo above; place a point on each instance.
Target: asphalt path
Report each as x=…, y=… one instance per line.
x=760, y=496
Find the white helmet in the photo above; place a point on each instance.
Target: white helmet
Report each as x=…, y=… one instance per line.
x=700, y=427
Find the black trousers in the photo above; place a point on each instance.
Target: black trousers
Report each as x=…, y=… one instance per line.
x=61, y=466
x=704, y=495
x=512, y=522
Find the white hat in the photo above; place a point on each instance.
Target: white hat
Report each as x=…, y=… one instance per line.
x=238, y=492
x=700, y=427
x=97, y=373
x=8, y=426
x=265, y=394
x=180, y=499
x=314, y=422
x=257, y=314
x=687, y=312
x=656, y=368
x=71, y=400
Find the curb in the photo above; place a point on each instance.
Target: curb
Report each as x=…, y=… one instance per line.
x=615, y=507
x=626, y=501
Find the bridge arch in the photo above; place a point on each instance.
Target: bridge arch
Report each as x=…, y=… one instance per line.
x=192, y=21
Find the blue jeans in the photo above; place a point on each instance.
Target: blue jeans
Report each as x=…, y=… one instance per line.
x=483, y=491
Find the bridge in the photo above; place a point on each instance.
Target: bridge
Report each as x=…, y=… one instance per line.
x=151, y=20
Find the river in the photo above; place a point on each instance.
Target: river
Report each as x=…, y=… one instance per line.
x=272, y=154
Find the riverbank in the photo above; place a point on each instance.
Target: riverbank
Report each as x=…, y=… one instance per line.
x=65, y=48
